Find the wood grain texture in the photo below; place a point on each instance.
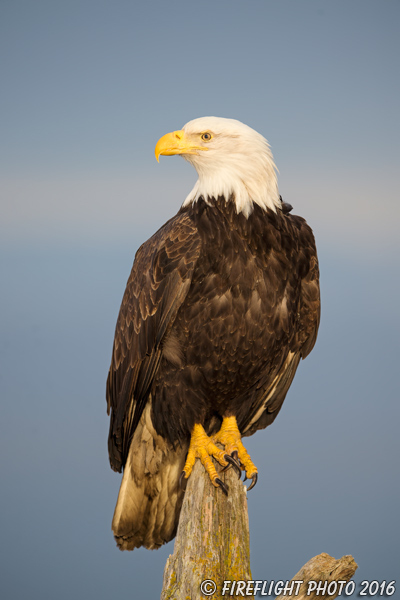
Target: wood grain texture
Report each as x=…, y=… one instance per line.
x=322, y=568
x=213, y=543
x=213, y=540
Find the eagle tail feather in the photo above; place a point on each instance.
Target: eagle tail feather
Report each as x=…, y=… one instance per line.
x=150, y=498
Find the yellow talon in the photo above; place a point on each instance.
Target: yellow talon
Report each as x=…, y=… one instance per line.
x=203, y=447
x=229, y=436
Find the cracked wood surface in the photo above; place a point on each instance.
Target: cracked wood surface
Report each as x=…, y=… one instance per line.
x=213, y=543
x=213, y=540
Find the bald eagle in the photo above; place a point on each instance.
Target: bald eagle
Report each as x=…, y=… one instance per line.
x=221, y=304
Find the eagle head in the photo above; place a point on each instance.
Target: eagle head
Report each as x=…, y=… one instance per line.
x=232, y=160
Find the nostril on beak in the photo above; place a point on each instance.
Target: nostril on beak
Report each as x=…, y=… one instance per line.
x=178, y=135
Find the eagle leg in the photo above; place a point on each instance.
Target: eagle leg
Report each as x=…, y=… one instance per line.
x=229, y=436
x=203, y=447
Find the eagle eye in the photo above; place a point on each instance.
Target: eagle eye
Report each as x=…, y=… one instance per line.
x=206, y=136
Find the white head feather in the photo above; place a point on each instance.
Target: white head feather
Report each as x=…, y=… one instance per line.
x=238, y=163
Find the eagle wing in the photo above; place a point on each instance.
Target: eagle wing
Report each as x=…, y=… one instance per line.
x=158, y=284
x=310, y=303
x=272, y=394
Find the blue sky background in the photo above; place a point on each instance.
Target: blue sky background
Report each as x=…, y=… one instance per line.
x=87, y=88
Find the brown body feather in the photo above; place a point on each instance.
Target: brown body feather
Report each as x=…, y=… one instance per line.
x=217, y=312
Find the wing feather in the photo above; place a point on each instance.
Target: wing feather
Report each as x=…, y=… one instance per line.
x=158, y=284
x=268, y=399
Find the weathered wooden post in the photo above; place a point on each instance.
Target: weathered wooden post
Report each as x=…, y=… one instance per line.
x=213, y=541
x=213, y=545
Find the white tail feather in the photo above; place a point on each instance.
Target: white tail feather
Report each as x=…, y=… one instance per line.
x=149, y=499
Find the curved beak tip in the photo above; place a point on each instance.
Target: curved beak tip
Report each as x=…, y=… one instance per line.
x=169, y=144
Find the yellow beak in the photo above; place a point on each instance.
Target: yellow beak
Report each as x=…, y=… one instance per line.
x=176, y=142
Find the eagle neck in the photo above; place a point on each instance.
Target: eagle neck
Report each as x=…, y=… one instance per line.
x=249, y=183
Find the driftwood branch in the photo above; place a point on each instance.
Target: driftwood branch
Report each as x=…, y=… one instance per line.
x=320, y=569
x=213, y=543
x=213, y=540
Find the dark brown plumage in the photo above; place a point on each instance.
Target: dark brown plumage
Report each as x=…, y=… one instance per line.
x=217, y=313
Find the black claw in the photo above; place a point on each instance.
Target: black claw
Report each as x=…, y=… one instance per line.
x=182, y=481
x=231, y=461
x=253, y=482
x=222, y=485
x=235, y=456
